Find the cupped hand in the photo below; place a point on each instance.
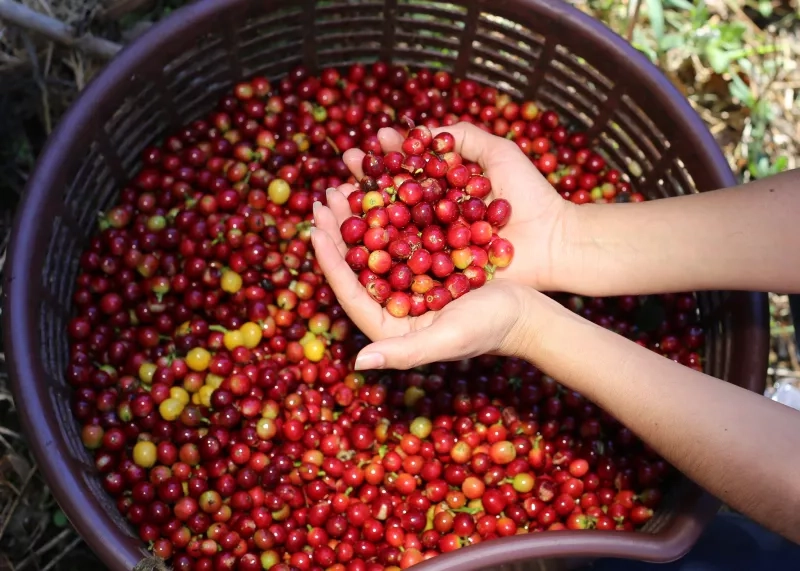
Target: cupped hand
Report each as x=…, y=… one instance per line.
x=538, y=227
x=491, y=319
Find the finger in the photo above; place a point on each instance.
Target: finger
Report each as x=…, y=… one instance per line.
x=353, y=158
x=470, y=141
x=346, y=189
x=325, y=220
x=390, y=139
x=437, y=342
x=475, y=144
x=338, y=205
x=365, y=312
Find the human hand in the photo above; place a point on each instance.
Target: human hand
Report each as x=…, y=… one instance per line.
x=540, y=218
x=456, y=332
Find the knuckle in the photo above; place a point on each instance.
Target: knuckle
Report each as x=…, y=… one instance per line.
x=507, y=145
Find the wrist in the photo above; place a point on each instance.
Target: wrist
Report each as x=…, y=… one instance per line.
x=572, y=251
x=564, y=345
x=539, y=319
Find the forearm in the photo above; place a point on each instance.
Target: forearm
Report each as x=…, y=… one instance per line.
x=730, y=441
x=742, y=238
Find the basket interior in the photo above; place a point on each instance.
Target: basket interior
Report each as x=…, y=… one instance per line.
x=524, y=55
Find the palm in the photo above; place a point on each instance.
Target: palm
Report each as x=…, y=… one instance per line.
x=499, y=297
x=537, y=210
x=366, y=313
x=536, y=213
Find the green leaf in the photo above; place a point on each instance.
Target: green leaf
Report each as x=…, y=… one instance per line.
x=759, y=168
x=646, y=50
x=731, y=34
x=747, y=66
x=763, y=113
x=781, y=164
x=671, y=41
x=700, y=14
x=718, y=59
x=765, y=8
x=655, y=13
x=678, y=21
x=641, y=43
x=679, y=4
x=762, y=169
x=739, y=90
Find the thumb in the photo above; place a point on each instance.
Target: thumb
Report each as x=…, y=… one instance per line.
x=414, y=349
x=473, y=143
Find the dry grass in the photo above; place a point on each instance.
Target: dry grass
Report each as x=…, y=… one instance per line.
x=33, y=532
x=739, y=67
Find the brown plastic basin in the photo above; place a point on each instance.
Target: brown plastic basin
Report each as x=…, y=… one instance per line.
x=540, y=49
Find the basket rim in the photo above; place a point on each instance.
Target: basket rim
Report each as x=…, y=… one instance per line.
x=121, y=551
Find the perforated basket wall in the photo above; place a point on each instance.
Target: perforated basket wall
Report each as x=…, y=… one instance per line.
x=539, y=49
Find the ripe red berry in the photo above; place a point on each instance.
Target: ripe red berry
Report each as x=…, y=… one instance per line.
x=410, y=192
x=498, y=212
x=398, y=304
x=413, y=146
x=400, y=277
x=399, y=249
x=458, y=236
x=379, y=290
x=478, y=186
x=353, y=230
x=420, y=261
x=433, y=238
x=458, y=176
x=443, y=143
x=441, y=264
x=501, y=252
x=446, y=211
x=379, y=262
x=457, y=285
x=376, y=239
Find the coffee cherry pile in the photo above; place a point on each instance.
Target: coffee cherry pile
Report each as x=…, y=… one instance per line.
x=212, y=366
x=421, y=234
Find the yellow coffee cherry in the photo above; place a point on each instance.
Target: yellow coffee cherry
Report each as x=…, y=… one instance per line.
x=307, y=338
x=230, y=281
x=372, y=199
x=279, y=191
x=146, y=372
x=170, y=409
x=251, y=334
x=198, y=359
x=184, y=328
x=179, y=394
x=302, y=142
x=145, y=453
x=204, y=395
x=314, y=350
x=412, y=395
x=319, y=323
x=214, y=381
x=233, y=339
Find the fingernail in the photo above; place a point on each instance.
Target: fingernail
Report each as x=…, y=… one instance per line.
x=315, y=207
x=366, y=361
x=329, y=191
